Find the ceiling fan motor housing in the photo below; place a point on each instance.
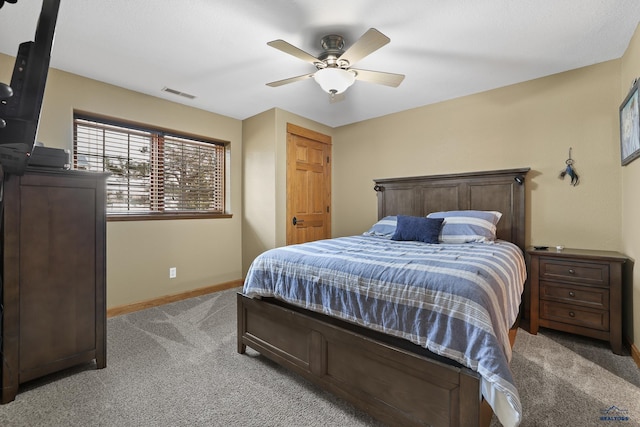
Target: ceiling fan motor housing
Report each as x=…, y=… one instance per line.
x=333, y=47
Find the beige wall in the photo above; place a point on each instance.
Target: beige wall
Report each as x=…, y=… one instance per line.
x=259, y=185
x=265, y=178
x=630, y=230
x=531, y=124
x=139, y=254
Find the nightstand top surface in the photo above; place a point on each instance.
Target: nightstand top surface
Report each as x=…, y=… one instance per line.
x=579, y=253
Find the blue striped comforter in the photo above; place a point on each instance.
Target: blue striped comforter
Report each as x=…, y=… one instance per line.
x=458, y=301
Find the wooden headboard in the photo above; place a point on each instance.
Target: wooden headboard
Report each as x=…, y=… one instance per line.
x=501, y=190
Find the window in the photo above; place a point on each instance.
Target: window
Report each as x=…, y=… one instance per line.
x=153, y=172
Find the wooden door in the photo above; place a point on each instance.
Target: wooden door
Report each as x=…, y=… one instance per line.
x=308, y=185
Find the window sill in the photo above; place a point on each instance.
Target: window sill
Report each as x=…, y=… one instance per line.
x=165, y=216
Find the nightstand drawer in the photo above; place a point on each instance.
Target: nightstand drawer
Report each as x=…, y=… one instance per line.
x=566, y=270
x=597, y=298
x=574, y=315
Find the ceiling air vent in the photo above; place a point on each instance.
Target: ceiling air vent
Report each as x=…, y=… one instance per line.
x=177, y=92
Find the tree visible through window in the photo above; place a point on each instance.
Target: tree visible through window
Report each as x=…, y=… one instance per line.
x=152, y=172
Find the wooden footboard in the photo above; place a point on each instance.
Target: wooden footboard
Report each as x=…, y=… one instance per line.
x=391, y=382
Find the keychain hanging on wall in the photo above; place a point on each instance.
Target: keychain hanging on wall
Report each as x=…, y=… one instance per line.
x=569, y=170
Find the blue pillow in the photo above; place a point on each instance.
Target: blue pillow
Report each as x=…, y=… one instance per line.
x=418, y=228
x=383, y=228
x=468, y=226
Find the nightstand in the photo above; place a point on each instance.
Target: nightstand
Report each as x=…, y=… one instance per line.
x=577, y=291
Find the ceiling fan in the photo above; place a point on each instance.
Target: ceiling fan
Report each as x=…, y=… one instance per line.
x=333, y=66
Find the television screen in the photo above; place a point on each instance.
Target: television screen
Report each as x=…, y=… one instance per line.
x=20, y=112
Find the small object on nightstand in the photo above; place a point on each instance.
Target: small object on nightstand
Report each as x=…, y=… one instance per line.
x=559, y=248
x=541, y=248
x=577, y=291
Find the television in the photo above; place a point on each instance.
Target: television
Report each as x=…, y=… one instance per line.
x=21, y=103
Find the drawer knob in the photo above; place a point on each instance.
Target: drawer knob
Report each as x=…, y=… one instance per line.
x=572, y=271
x=572, y=294
x=572, y=314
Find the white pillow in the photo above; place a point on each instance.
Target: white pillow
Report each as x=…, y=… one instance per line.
x=383, y=228
x=467, y=226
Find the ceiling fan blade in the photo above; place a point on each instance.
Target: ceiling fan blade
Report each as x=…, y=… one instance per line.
x=379, y=77
x=292, y=50
x=290, y=80
x=370, y=41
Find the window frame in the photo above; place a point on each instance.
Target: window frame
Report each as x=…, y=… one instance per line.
x=159, y=131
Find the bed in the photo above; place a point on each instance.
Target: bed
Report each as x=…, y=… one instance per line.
x=396, y=375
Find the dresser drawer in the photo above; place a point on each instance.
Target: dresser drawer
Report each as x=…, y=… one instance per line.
x=574, y=271
x=574, y=315
x=597, y=298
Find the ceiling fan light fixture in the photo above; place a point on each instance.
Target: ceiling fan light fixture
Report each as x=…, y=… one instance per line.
x=334, y=80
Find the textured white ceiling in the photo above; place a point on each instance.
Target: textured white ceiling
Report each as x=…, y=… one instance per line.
x=217, y=51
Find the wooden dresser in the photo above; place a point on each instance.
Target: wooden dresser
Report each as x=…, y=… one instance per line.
x=53, y=289
x=577, y=291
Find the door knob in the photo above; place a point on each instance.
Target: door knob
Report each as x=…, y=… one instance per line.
x=296, y=220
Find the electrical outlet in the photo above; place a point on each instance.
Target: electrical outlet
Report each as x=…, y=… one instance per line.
x=172, y=273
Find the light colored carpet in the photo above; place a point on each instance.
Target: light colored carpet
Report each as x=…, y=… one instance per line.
x=565, y=380
x=177, y=365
